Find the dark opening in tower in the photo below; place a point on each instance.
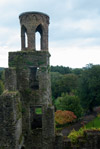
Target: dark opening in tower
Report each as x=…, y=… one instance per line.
x=36, y=117
x=33, y=78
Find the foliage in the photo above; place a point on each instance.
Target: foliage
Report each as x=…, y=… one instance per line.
x=77, y=71
x=70, y=103
x=75, y=134
x=63, y=83
x=61, y=69
x=2, y=74
x=64, y=117
x=66, y=70
x=2, y=68
x=94, y=123
x=89, y=87
x=1, y=87
x=38, y=111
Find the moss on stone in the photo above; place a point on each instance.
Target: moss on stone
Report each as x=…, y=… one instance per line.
x=20, y=139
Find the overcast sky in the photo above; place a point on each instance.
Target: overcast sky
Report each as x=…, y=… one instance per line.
x=74, y=30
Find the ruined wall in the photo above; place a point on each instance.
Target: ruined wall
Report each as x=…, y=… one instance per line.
x=31, y=22
x=10, y=113
x=90, y=140
x=10, y=121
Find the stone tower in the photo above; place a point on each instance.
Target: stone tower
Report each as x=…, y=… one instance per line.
x=28, y=76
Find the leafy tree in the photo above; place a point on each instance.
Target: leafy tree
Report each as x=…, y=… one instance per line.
x=70, y=103
x=77, y=71
x=2, y=74
x=64, y=117
x=89, y=88
x=55, y=78
x=1, y=87
x=61, y=69
x=63, y=83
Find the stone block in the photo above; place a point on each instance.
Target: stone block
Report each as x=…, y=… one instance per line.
x=10, y=79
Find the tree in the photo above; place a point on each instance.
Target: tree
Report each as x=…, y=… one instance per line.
x=2, y=74
x=89, y=88
x=1, y=87
x=63, y=83
x=64, y=117
x=61, y=69
x=69, y=103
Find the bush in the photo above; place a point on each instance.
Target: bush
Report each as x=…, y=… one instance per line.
x=73, y=136
x=64, y=117
x=69, y=103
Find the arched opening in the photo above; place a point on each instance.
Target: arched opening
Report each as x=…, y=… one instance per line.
x=26, y=40
x=38, y=37
x=24, y=37
x=38, y=41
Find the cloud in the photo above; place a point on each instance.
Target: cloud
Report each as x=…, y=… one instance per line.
x=74, y=29
x=75, y=57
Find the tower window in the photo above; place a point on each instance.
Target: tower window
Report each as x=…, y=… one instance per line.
x=38, y=41
x=38, y=36
x=33, y=80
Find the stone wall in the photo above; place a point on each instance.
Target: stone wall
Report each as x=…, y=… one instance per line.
x=10, y=121
x=31, y=22
x=90, y=140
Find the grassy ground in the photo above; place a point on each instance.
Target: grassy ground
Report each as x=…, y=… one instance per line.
x=94, y=123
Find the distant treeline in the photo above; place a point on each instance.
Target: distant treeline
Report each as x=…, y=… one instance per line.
x=2, y=68
x=66, y=70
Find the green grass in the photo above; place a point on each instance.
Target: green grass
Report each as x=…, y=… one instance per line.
x=38, y=110
x=94, y=123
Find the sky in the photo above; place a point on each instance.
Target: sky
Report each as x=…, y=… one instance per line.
x=74, y=30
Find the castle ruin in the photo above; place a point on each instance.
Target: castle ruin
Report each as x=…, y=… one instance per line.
x=27, y=113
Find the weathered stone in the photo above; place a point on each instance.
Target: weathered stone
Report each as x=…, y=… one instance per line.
x=10, y=79
x=31, y=22
x=10, y=120
x=29, y=74
x=48, y=130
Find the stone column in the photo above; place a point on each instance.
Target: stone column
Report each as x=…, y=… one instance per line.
x=48, y=130
x=31, y=41
x=23, y=42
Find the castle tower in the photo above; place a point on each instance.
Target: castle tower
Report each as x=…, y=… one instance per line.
x=33, y=82
x=31, y=23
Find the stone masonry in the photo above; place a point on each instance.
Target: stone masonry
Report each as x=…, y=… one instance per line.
x=28, y=90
